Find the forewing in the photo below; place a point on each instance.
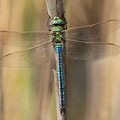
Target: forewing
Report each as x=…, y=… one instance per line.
x=93, y=33
x=30, y=39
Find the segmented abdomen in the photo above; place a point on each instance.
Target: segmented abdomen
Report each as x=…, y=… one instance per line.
x=60, y=79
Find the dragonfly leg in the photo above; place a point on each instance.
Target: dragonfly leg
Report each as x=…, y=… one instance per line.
x=65, y=21
x=48, y=21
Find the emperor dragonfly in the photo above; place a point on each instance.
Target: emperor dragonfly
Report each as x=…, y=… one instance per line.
x=82, y=43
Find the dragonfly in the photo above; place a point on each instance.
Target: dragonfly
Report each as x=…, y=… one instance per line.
x=81, y=43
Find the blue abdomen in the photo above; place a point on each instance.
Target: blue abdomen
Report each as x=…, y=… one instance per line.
x=60, y=79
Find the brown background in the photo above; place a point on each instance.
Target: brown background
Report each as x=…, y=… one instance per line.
x=93, y=87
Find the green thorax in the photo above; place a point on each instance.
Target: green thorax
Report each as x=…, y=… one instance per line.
x=58, y=38
x=57, y=27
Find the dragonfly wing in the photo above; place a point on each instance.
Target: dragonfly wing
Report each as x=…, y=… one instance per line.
x=28, y=57
x=93, y=33
x=81, y=50
x=24, y=39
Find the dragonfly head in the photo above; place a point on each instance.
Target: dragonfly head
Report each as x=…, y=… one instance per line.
x=56, y=21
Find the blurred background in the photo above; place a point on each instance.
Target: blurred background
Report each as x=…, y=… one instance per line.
x=92, y=87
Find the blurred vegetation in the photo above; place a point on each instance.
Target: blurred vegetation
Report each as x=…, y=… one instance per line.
x=92, y=87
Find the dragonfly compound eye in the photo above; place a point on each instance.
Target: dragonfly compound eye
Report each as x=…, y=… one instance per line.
x=56, y=18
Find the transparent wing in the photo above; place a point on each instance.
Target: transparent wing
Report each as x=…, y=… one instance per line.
x=93, y=33
x=81, y=50
x=24, y=39
x=28, y=57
